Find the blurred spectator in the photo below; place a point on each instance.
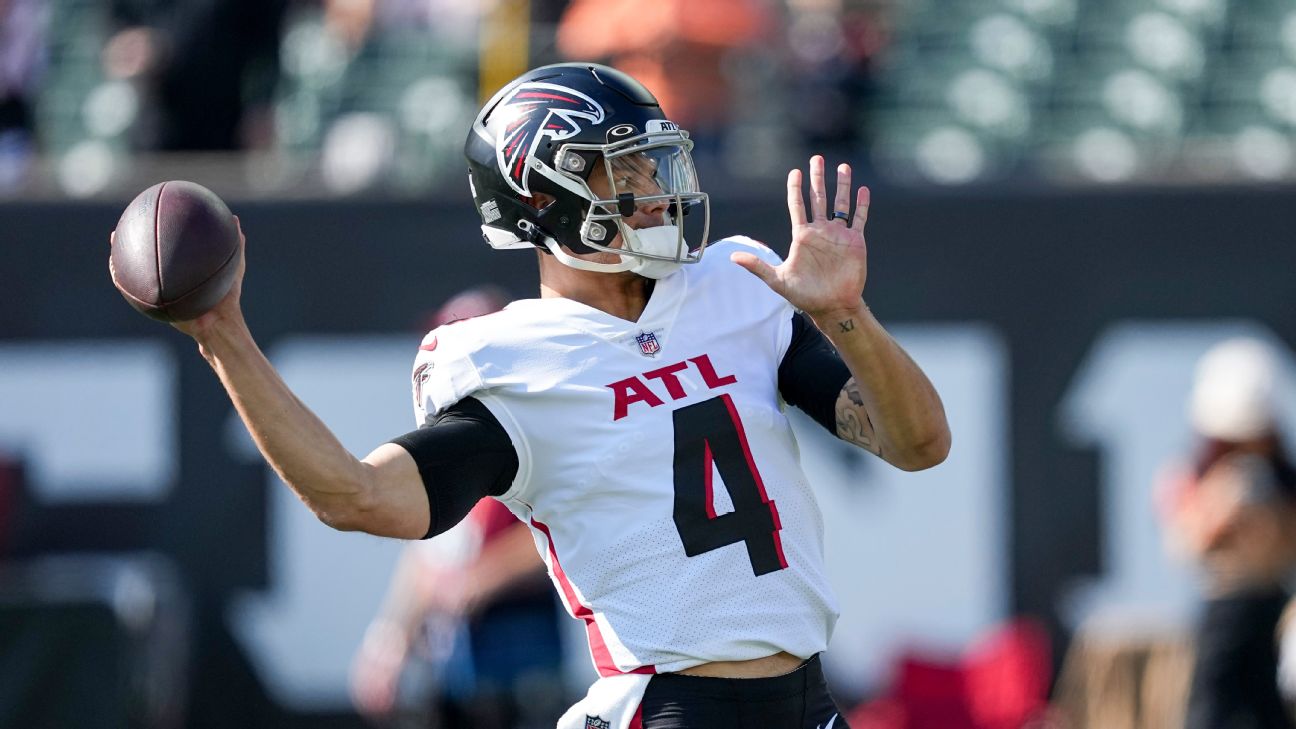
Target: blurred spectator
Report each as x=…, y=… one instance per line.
x=476, y=301
x=444, y=18
x=478, y=615
x=832, y=46
x=207, y=69
x=1233, y=512
x=353, y=21
x=507, y=671
x=674, y=47
x=22, y=36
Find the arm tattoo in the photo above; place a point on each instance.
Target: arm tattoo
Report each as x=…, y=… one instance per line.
x=852, y=391
x=853, y=423
x=846, y=326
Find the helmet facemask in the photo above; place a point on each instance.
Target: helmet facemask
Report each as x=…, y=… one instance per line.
x=646, y=175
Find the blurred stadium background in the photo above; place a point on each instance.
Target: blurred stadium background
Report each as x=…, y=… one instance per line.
x=1073, y=201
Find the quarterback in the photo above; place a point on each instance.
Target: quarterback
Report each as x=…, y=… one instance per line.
x=634, y=414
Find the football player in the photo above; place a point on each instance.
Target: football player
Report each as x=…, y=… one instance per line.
x=634, y=414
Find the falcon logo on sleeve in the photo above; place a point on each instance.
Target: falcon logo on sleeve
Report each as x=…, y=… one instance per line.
x=536, y=111
x=422, y=374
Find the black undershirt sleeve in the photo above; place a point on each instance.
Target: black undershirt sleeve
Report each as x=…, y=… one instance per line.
x=812, y=374
x=463, y=455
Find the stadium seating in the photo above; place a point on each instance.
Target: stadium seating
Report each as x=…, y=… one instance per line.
x=969, y=91
x=1105, y=91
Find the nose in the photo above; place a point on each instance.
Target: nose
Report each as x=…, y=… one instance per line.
x=655, y=209
x=649, y=214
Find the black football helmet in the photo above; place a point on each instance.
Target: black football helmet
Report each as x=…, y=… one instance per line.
x=547, y=132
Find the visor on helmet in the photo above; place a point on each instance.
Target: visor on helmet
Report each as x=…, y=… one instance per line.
x=649, y=178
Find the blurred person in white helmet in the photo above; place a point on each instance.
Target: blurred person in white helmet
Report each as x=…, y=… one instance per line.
x=1232, y=511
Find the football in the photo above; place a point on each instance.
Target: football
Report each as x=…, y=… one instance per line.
x=175, y=251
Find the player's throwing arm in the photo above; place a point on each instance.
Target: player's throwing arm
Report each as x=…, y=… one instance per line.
x=177, y=236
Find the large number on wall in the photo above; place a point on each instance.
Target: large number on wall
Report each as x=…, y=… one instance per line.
x=91, y=420
x=325, y=584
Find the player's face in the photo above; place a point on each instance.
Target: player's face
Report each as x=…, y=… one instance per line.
x=633, y=173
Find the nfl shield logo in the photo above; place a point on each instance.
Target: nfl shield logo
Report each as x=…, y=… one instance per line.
x=596, y=722
x=648, y=344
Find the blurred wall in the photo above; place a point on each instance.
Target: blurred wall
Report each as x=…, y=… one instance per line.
x=1060, y=326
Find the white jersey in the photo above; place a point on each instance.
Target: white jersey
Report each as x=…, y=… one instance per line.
x=657, y=469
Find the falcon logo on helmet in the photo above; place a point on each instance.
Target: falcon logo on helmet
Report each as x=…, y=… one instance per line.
x=537, y=111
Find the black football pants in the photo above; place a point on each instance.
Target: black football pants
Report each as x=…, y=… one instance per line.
x=797, y=700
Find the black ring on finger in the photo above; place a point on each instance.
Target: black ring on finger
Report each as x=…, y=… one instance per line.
x=839, y=215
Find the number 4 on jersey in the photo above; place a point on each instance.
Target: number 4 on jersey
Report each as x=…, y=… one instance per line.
x=708, y=433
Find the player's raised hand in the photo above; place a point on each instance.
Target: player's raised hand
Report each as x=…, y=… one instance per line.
x=827, y=265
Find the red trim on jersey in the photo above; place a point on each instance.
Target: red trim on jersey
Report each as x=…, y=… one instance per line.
x=598, y=646
x=708, y=466
x=760, y=485
x=636, y=721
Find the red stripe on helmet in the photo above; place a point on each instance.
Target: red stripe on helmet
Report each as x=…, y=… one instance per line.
x=542, y=95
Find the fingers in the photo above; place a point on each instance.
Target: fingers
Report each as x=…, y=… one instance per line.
x=861, y=208
x=796, y=201
x=818, y=191
x=819, y=197
x=757, y=268
x=841, y=203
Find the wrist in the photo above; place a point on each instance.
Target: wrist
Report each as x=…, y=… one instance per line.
x=842, y=320
x=219, y=335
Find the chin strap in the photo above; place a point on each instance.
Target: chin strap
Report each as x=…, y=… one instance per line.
x=627, y=263
x=646, y=267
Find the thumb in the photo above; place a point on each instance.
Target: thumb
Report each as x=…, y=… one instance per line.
x=757, y=268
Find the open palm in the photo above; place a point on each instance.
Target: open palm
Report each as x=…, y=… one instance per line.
x=827, y=265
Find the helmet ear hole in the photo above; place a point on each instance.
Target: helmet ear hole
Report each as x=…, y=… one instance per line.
x=540, y=200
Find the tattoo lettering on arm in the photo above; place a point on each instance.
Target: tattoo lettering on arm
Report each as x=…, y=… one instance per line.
x=853, y=424
x=847, y=326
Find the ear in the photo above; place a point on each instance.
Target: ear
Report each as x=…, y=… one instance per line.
x=540, y=200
